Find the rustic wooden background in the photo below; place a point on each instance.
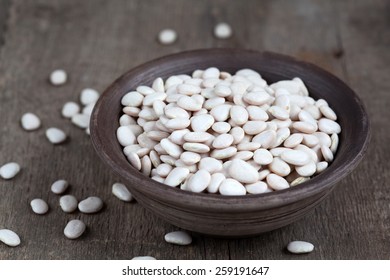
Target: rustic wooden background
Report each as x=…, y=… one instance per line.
x=95, y=41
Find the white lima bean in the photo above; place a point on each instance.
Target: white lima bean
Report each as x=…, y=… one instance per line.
x=58, y=77
x=216, y=132
x=300, y=247
x=55, y=135
x=90, y=205
x=70, y=109
x=167, y=36
x=178, y=238
x=30, y=121
x=121, y=192
x=68, y=203
x=74, y=229
x=143, y=258
x=223, y=30
x=9, y=170
x=39, y=206
x=9, y=237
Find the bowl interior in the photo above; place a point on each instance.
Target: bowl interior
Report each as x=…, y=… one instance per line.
x=273, y=67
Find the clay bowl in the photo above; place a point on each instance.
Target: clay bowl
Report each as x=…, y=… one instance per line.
x=236, y=216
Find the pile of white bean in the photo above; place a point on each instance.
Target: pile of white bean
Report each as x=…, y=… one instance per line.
x=230, y=134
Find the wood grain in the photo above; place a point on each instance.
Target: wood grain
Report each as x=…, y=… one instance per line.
x=96, y=41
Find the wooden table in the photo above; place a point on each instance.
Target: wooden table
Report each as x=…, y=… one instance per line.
x=96, y=41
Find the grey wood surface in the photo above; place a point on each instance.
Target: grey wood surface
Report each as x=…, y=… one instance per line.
x=95, y=41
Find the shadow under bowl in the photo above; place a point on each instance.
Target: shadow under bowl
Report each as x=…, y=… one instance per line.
x=235, y=216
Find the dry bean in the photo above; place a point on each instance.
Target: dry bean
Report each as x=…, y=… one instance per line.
x=121, y=192
x=88, y=96
x=295, y=157
x=263, y=174
x=9, y=170
x=68, y=203
x=265, y=138
x=254, y=127
x=143, y=258
x=243, y=172
x=248, y=146
x=70, y=109
x=231, y=187
x=215, y=181
x=199, y=181
x=276, y=182
x=335, y=143
x=279, y=167
x=178, y=238
x=30, y=121
x=59, y=186
x=134, y=159
x=10, y=238
x=224, y=153
x=298, y=181
x=328, y=112
x=90, y=205
x=310, y=140
x=58, y=77
x=239, y=114
x=293, y=140
x=176, y=176
x=81, y=120
x=222, y=30
x=210, y=164
x=256, y=188
x=186, y=127
x=329, y=126
x=197, y=137
x=201, y=122
x=74, y=229
x=243, y=155
x=196, y=147
x=321, y=166
x=262, y=157
x=56, y=136
x=306, y=170
x=39, y=206
x=300, y=247
x=327, y=153
x=223, y=141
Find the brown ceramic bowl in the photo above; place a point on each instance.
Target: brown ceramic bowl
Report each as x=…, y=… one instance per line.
x=236, y=216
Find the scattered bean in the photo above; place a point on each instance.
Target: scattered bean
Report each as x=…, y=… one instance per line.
x=39, y=206
x=9, y=170
x=74, y=229
x=68, y=203
x=30, y=121
x=70, y=109
x=121, y=192
x=143, y=258
x=9, y=237
x=300, y=247
x=90, y=205
x=58, y=77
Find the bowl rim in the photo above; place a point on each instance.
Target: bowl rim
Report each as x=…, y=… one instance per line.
x=216, y=202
